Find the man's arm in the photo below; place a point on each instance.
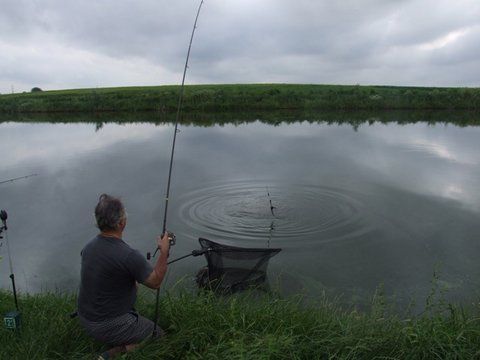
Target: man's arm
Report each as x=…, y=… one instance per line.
x=154, y=280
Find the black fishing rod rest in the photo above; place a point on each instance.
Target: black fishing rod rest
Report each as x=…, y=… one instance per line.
x=12, y=319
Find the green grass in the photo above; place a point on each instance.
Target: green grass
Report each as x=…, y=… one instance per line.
x=245, y=327
x=247, y=97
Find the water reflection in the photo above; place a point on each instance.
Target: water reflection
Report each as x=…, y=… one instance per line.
x=383, y=204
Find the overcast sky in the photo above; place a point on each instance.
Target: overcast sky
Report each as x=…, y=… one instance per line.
x=58, y=44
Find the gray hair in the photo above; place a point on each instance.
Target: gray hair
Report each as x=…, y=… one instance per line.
x=109, y=212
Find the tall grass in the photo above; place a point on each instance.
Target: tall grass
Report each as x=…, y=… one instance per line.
x=204, y=326
x=242, y=98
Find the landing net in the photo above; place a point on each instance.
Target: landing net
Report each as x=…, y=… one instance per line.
x=231, y=269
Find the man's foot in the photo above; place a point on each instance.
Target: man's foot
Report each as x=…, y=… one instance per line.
x=103, y=356
x=118, y=350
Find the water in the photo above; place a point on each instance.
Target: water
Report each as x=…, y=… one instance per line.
x=355, y=207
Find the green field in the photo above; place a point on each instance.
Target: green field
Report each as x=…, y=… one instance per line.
x=204, y=326
x=252, y=97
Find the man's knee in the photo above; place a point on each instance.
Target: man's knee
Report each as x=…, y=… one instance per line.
x=131, y=347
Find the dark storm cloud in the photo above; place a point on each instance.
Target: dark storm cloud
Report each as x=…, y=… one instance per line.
x=72, y=43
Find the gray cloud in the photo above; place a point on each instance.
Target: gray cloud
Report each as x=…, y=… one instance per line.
x=68, y=44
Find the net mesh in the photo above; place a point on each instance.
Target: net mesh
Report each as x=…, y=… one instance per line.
x=232, y=268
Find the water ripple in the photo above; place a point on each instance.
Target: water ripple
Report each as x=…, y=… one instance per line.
x=239, y=212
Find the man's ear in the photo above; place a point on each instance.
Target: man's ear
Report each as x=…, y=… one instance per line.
x=123, y=223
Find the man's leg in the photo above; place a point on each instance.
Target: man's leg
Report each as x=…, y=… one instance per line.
x=142, y=330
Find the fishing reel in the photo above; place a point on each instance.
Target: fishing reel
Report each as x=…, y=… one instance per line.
x=172, y=239
x=3, y=217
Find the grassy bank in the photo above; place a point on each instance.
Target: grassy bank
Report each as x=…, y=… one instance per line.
x=250, y=97
x=207, y=327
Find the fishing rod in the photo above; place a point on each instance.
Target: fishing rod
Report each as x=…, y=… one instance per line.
x=12, y=318
x=18, y=178
x=177, y=119
x=167, y=195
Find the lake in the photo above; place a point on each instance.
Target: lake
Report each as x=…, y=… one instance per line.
x=357, y=207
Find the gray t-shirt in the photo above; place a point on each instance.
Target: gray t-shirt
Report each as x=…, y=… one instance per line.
x=110, y=269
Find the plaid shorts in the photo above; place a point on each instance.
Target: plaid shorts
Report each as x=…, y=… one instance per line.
x=130, y=328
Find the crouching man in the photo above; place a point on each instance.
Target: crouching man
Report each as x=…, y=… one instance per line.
x=109, y=275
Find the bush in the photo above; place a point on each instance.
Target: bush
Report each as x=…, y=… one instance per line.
x=36, y=89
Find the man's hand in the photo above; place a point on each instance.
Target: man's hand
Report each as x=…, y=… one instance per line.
x=155, y=279
x=163, y=243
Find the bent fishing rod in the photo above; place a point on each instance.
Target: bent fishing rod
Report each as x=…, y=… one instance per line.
x=177, y=119
x=167, y=195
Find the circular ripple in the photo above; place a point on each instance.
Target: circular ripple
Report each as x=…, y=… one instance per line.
x=240, y=212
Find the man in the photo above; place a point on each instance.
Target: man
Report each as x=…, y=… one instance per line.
x=110, y=272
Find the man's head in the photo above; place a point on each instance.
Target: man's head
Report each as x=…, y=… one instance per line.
x=110, y=213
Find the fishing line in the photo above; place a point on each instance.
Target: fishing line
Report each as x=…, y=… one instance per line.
x=272, y=224
x=270, y=233
x=167, y=196
x=270, y=200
